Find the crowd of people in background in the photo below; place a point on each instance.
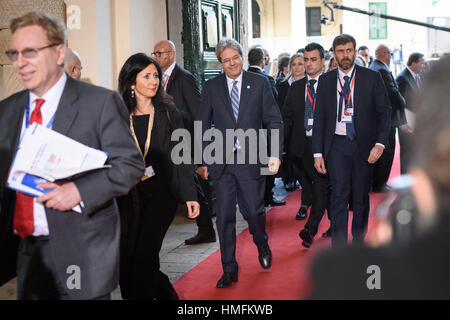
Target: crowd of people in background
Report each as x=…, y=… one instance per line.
x=337, y=113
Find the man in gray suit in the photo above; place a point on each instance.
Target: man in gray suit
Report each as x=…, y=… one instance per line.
x=62, y=254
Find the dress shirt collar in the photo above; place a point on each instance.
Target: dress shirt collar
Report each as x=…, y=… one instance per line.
x=257, y=67
x=413, y=73
x=169, y=70
x=342, y=74
x=316, y=78
x=230, y=81
x=53, y=95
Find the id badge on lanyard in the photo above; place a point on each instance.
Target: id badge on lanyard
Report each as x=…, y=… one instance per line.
x=348, y=108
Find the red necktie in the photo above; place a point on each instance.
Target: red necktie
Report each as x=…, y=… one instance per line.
x=23, y=214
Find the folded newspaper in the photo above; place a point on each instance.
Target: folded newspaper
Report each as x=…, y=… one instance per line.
x=45, y=155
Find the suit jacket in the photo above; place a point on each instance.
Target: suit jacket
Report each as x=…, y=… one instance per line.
x=183, y=87
x=372, y=111
x=282, y=87
x=98, y=118
x=396, y=98
x=293, y=117
x=270, y=78
x=257, y=109
x=407, y=86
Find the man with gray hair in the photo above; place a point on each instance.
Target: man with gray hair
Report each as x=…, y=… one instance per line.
x=62, y=254
x=239, y=100
x=72, y=64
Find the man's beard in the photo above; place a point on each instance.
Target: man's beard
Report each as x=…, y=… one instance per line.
x=345, y=64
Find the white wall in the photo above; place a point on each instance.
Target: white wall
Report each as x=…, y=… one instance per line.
x=148, y=24
x=104, y=44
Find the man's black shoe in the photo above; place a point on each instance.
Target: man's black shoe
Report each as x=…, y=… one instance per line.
x=274, y=202
x=301, y=214
x=201, y=238
x=227, y=280
x=382, y=189
x=307, y=238
x=327, y=234
x=265, y=256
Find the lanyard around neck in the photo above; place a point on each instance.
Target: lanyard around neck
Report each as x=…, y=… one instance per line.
x=313, y=102
x=149, y=134
x=27, y=117
x=352, y=86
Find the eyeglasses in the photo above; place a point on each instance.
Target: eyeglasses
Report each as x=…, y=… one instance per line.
x=28, y=53
x=235, y=59
x=159, y=53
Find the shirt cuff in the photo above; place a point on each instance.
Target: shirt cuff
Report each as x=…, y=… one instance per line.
x=317, y=155
x=380, y=144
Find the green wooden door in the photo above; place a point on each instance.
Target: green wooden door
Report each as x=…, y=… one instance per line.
x=205, y=22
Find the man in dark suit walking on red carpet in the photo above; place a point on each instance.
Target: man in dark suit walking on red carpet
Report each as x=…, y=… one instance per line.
x=239, y=100
x=351, y=129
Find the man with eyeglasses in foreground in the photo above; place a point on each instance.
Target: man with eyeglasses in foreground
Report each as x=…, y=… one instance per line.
x=62, y=254
x=237, y=99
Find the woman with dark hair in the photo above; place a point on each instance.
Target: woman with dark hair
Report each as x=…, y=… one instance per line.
x=283, y=68
x=148, y=209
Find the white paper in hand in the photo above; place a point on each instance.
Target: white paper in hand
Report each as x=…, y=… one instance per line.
x=45, y=155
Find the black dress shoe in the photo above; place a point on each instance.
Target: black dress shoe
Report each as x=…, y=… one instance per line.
x=307, y=238
x=274, y=202
x=301, y=214
x=265, y=256
x=227, y=280
x=382, y=189
x=327, y=234
x=201, y=238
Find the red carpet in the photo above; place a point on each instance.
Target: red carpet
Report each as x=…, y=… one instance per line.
x=287, y=279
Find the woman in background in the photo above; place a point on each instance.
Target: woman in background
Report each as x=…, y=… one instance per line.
x=296, y=72
x=148, y=209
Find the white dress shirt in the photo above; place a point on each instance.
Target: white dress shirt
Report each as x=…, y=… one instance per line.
x=239, y=84
x=341, y=128
x=48, y=109
x=166, y=75
x=415, y=75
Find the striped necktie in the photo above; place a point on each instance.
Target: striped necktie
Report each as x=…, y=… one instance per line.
x=235, y=99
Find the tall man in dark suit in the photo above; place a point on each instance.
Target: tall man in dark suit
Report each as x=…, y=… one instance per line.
x=63, y=254
x=298, y=115
x=416, y=267
x=183, y=87
x=383, y=167
x=409, y=84
x=256, y=61
x=239, y=101
x=351, y=128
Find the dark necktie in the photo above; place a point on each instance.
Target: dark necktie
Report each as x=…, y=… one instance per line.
x=309, y=109
x=23, y=213
x=344, y=95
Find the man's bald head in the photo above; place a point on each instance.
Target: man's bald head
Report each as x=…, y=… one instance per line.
x=164, y=53
x=383, y=53
x=72, y=64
